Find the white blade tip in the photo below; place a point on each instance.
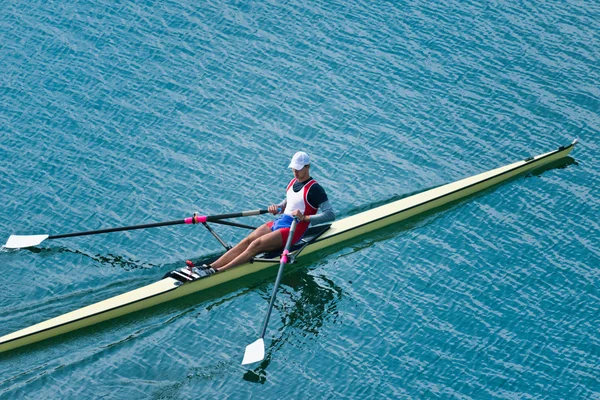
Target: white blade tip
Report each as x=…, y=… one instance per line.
x=255, y=352
x=20, y=241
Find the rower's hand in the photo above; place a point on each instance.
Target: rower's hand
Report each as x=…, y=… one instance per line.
x=274, y=209
x=298, y=215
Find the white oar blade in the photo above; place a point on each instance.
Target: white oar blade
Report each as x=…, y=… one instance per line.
x=20, y=241
x=255, y=352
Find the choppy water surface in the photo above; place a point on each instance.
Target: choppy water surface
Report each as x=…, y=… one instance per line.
x=125, y=113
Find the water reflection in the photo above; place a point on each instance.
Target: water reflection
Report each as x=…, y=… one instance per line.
x=305, y=303
x=117, y=261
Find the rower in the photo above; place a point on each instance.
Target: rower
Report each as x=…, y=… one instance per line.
x=305, y=200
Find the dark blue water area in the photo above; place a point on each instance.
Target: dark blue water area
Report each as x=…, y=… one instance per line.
x=124, y=113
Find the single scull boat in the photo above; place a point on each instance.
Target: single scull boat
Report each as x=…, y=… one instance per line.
x=184, y=281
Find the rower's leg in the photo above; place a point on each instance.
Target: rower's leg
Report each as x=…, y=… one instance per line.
x=270, y=242
x=241, y=247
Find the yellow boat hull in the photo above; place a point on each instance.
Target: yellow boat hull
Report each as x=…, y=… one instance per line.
x=340, y=231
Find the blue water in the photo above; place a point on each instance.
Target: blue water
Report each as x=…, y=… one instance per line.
x=122, y=113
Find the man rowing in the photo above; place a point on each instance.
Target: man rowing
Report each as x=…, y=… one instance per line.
x=304, y=198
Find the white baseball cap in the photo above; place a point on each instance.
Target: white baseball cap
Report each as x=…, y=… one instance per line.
x=299, y=160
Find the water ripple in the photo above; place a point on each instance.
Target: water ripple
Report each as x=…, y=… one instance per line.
x=116, y=113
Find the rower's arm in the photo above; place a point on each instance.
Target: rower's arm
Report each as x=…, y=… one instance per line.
x=282, y=205
x=325, y=214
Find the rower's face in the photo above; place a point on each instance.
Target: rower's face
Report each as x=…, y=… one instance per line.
x=301, y=174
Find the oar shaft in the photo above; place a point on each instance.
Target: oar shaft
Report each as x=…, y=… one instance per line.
x=284, y=260
x=196, y=219
x=123, y=228
x=236, y=215
x=234, y=224
x=210, y=218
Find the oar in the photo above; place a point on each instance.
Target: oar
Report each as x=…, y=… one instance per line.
x=255, y=352
x=20, y=241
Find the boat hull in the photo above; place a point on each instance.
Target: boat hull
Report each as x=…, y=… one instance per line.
x=340, y=231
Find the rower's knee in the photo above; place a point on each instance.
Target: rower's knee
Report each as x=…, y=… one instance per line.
x=254, y=244
x=257, y=246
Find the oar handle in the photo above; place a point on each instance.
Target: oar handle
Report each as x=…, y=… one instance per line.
x=284, y=260
x=198, y=219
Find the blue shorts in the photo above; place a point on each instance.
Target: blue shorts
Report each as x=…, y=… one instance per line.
x=283, y=224
x=285, y=221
